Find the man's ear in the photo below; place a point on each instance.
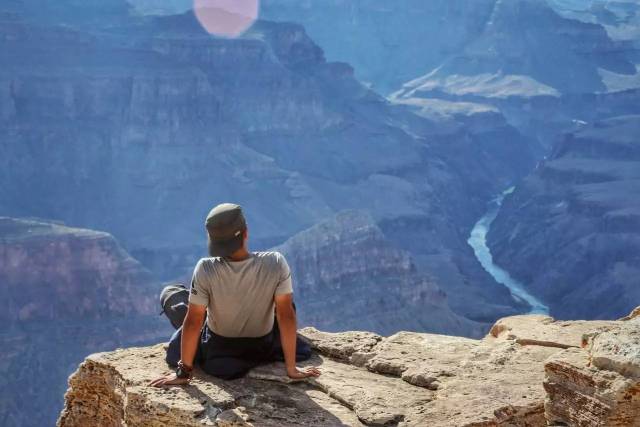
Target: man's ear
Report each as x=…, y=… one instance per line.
x=245, y=234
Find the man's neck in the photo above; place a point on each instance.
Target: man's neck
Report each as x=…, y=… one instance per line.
x=239, y=255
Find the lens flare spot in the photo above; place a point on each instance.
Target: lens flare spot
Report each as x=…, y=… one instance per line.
x=226, y=18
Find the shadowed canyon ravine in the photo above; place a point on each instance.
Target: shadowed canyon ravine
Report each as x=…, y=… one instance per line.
x=478, y=241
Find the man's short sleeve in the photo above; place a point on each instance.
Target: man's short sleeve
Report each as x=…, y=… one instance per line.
x=199, y=292
x=285, y=285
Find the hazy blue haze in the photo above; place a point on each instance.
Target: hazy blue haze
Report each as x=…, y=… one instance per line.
x=369, y=173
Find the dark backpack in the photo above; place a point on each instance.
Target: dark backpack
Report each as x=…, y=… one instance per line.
x=174, y=301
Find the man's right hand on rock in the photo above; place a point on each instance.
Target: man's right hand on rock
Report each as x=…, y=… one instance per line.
x=297, y=374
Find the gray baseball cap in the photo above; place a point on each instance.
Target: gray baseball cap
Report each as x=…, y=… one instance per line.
x=225, y=225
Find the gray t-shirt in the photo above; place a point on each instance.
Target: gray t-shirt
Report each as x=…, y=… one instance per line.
x=239, y=294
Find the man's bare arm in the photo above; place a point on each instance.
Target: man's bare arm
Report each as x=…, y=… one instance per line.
x=189, y=343
x=286, y=316
x=191, y=333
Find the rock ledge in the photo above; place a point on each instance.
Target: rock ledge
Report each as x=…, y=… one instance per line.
x=528, y=371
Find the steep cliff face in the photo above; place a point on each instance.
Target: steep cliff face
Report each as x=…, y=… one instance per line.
x=52, y=272
x=66, y=293
x=581, y=207
x=529, y=371
x=349, y=276
x=151, y=117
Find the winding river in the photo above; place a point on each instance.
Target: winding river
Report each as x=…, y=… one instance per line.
x=478, y=241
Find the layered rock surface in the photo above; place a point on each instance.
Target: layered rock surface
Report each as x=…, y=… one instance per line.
x=66, y=292
x=50, y=272
x=511, y=377
x=346, y=265
x=599, y=386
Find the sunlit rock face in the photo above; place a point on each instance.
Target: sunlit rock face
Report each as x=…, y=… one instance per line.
x=529, y=371
x=571, y=230
x=66, y=292
x=52, y=272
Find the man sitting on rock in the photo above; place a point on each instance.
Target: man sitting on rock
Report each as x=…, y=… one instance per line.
x=237, y=291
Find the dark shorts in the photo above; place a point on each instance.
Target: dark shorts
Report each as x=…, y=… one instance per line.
x=229, y=358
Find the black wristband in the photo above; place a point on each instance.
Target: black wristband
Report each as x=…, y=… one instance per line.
x=183, y=371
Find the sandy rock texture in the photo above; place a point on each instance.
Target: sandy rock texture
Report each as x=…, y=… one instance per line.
x=528, y=371
x=600, y=384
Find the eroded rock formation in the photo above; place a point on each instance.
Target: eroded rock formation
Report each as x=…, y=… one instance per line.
x=346, y=265
x=600, y=386
x=528, y=371
x=580, y=205
x=51, y=271
x=66, y=293
x=162, y=121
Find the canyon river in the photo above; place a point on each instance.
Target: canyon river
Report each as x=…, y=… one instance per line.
x=478, y=241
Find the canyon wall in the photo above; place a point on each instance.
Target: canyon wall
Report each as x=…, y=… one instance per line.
x=347, y=275
x=67, y=292
x=139, y=125
x=581, y=206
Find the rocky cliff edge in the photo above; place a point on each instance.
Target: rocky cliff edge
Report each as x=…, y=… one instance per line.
x=528, y=371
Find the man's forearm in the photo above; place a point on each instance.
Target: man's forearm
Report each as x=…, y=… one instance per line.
x=189, y=341
x=287, y=325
